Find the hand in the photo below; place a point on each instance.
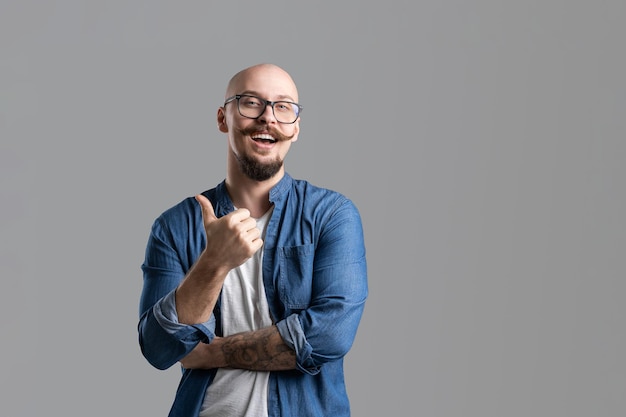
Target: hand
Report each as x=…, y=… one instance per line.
x=231, y=239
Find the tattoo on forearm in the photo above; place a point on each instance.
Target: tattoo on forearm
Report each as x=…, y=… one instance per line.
x=262, y=350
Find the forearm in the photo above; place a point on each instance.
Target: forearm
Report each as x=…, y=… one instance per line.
x=260, y=350
x=230, y=241
x=198, y=292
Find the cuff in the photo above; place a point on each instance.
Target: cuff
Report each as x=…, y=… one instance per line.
x=165, y=314
x=293, y=335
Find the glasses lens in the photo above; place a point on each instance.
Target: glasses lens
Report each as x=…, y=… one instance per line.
x=250, y=106
x=285, y=112
x=253, y=107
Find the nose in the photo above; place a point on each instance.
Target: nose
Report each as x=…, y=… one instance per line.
x=268, y=114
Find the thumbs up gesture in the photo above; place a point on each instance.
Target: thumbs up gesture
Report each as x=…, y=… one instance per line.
x=231, y=239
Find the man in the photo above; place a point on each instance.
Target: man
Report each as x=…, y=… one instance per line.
x=256, y=286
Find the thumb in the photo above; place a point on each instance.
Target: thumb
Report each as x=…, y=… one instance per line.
x=208, y=214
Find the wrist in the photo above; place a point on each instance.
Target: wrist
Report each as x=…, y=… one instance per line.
x=215, y=353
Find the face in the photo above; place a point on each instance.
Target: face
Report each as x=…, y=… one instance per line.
x=258, y=146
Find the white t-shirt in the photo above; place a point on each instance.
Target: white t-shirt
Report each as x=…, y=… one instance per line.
x=238, y=392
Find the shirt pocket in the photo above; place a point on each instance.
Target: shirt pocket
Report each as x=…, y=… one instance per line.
x=296, y=275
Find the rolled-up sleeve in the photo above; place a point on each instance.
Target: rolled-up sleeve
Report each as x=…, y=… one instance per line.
x=162, y=339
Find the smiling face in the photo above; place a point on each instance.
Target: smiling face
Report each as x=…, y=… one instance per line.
x=257, y=147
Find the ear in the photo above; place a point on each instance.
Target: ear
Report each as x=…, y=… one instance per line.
x=221, y=120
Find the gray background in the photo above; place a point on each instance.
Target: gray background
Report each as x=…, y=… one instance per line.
x=483, y=142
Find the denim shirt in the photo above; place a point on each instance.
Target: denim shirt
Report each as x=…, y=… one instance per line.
x=315, y=277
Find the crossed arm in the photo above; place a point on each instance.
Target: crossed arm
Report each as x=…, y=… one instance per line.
x=264, y=349
x=260, y=350
x=235, y=239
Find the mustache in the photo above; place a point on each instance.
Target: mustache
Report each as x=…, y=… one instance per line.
x=279, y=136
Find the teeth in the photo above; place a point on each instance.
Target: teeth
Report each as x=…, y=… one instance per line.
x=264, y=136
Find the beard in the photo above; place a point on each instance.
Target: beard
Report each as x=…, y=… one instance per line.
x=256, y=170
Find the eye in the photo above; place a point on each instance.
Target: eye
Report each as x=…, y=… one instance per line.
x=283, y=107
x=250, y=101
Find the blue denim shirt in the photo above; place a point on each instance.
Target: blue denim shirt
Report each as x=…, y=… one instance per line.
x=315, y=277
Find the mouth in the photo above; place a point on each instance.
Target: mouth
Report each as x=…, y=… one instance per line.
x=263, y=138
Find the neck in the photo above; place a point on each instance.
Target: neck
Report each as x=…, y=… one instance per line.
x=250, y=194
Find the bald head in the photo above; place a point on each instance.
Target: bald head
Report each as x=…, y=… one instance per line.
x=264, y=80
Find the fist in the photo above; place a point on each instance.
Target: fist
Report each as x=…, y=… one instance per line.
x=231, y=239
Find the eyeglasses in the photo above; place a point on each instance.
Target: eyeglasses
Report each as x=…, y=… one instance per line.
x=253, y=107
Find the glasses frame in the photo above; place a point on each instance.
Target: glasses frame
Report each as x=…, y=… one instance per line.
x=267, y=103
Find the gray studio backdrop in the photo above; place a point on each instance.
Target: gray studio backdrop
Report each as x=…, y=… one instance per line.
x=483, y=142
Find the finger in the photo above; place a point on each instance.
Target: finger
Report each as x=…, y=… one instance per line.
x=240, y=215
x=253, y=234
x=208, y=214
x=256, y=245
x=247, y=224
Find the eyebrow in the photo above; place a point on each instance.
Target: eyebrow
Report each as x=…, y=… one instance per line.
x=280, y=97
